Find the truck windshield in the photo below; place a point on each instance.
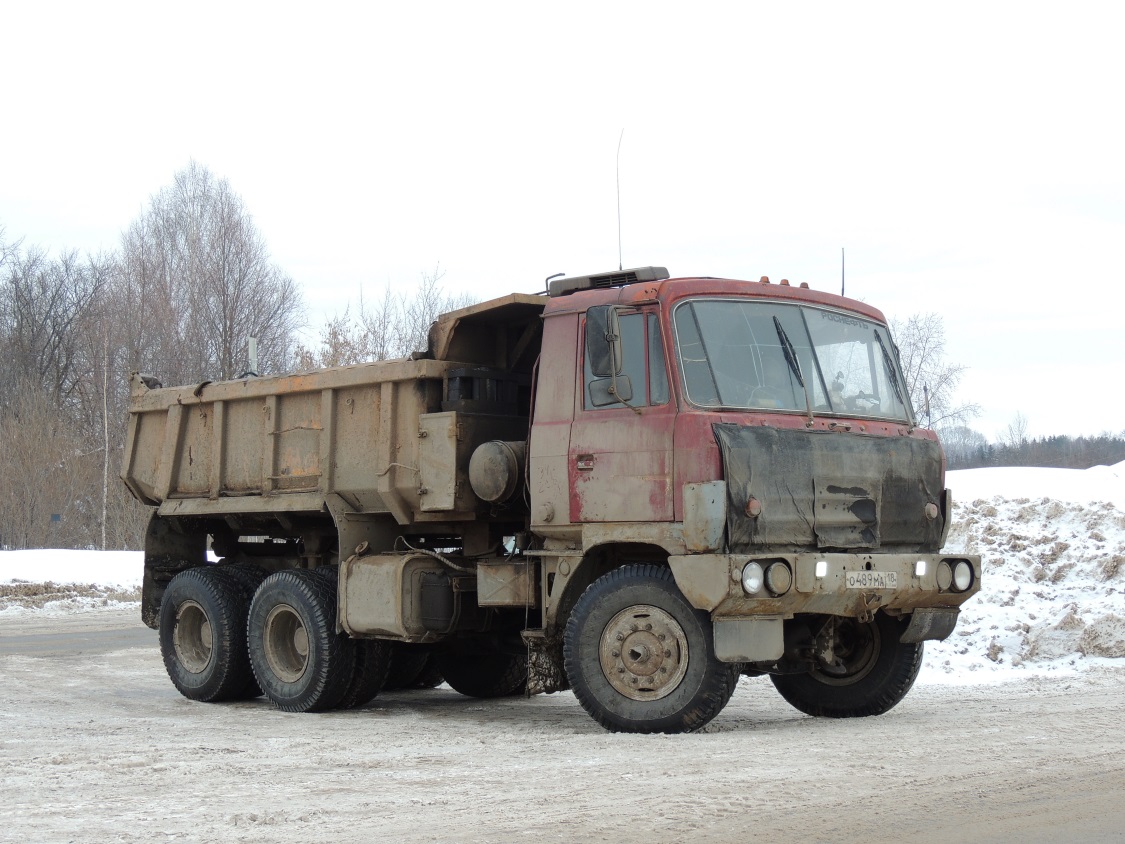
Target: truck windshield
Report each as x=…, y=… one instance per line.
x=733, y=355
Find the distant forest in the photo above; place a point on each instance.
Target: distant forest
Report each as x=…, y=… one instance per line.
x=1060, y=452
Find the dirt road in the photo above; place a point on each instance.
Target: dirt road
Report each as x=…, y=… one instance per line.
x=96, y=745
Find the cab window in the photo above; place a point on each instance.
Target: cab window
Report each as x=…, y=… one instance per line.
x=643, y=379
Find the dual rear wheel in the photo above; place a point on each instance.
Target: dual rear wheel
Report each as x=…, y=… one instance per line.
x=231, y=632
x=203, y=633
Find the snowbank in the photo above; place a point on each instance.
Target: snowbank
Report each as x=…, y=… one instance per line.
x=52, y=582
x=1053, y=590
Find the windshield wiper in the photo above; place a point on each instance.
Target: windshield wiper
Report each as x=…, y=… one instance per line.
x=889, y=363
x=794, y=365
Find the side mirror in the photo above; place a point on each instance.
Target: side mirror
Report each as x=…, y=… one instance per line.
x=603, y=341
x=607, y=391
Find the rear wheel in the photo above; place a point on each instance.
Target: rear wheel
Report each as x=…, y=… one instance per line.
x=408, y=662
x=202, y=625
x=300, y=661
x=641, y=659
x=488, y=674
x=372, y=659
x=861, y=669
x=430, y=677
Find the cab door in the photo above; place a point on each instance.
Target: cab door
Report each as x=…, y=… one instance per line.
x=620, y=457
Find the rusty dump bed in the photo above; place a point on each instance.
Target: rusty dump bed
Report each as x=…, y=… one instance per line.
x=348, y=435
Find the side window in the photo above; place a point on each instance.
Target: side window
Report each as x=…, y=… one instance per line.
x=643, y=377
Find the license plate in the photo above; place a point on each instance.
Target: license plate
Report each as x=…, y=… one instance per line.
x=871, y=579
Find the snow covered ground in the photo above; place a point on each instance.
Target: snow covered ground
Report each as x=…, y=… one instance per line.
x=1052, y=602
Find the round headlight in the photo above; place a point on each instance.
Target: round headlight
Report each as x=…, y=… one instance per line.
x=962, y=576
x=752, y=578
x=778, y=578
x=944, y=575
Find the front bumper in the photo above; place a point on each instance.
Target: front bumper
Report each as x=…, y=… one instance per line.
x=713, y=582
x=750, y=628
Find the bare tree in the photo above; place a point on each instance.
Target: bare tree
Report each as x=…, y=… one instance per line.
x=43, y=303
x=343, y=341
x=394, y=327
x=192, y=283
x=380, y=322
x=1015, y=435
x=420, y=311
x=46, y=474
x=962, y=445
x=930, y=378
x=201, y=283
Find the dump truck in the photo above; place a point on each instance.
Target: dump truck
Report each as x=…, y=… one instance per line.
x=638, y=487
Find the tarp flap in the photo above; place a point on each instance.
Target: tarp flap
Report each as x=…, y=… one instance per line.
x=829, y=490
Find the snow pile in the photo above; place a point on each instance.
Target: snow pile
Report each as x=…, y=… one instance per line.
x=1052, y=543
x=1053, y=591
x=53, y=582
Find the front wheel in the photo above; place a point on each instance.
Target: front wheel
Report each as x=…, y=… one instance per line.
x=641, y=659
x=860, y=669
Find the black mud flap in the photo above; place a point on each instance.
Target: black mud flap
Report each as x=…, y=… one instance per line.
x=170, y=547
x=935, y=623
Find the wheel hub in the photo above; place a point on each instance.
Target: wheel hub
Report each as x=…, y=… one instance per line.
x=286, y=643
x=192, y=637
x=846, y=652
x=643, y=653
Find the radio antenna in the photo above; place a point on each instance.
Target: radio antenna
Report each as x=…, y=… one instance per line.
x=841, y=270
x=619, y=138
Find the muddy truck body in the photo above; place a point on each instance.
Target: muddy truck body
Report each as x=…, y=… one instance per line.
x=637, y=487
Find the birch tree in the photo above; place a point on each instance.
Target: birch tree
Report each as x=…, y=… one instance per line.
x=931, y=379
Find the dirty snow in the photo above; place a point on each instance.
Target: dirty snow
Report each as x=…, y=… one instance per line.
x=1052, y=603
x=1052, y=543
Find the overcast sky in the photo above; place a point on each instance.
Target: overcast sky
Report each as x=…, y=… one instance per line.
x=968, y=156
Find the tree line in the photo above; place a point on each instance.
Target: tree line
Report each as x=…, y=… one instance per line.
x=191, y=282
x=967, y=449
